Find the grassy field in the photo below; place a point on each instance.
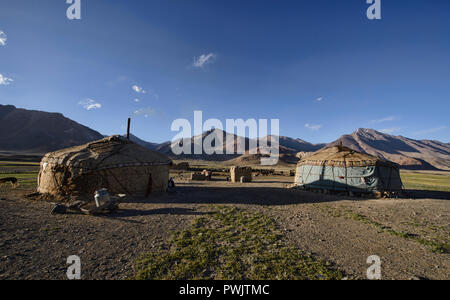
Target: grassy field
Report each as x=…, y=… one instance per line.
x=428, y=181
x=231, y=244
x=26, y=172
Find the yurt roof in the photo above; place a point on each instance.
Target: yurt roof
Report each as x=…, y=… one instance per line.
x=111, y=152
x=344, y=157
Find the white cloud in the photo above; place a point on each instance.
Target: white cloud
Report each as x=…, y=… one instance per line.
x=146, y=112
x=319, y=99
x=313, y=127
x=430, y=131
x=204, y=59
x=138, y=89
x=387, y=119
x=90, y=104
x=5, y=80
x=390, y=130
x=3, y=38
x=137, y=100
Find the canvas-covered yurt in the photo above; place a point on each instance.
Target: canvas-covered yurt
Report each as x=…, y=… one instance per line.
x=340, y=168
x=114, y=163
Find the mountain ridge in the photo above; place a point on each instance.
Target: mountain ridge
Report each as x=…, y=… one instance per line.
x=34, y=131
x=39, y=131
x=408, y=153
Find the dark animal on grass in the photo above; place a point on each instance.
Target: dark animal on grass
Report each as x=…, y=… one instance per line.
x=14, y=182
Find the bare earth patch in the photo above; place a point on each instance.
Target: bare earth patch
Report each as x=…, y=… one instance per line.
x=35, y=244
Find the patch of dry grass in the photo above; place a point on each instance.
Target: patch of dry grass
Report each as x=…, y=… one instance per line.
x=231, y=244
x=426, y=181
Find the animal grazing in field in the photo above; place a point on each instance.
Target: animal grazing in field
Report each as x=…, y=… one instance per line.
x=14, y=182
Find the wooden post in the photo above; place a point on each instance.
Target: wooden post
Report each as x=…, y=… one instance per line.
x=128, y=128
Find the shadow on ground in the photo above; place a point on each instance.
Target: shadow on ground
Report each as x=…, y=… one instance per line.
x=238, y=195
x=126, y=213
x=267, y=196
x=421, y=194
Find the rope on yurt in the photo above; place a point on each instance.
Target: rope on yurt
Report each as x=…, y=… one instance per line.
x=309, y=173
x=379, y=175
x=149, y=186
x=105, y=178
x=345, y=167
x=334, y=179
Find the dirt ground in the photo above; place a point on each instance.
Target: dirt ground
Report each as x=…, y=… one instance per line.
x=343, y=231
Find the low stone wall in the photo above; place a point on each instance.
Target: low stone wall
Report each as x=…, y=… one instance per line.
x=238, y=172
x=180, y=166
x=198, y=177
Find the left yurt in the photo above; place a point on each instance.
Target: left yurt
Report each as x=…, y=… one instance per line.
x=114, y=163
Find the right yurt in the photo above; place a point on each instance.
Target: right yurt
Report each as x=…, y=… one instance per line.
x=340, y=168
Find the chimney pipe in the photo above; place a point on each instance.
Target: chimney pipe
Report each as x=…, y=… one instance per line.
x=128, y=128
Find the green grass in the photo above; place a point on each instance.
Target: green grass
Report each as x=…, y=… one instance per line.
x=231, y=244
x=19, y=163
x=349, y=214
x=424, y=181
x=25, y=172
x=20, y=175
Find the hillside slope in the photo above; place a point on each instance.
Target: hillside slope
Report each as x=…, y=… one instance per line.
x=32, y=131
x=409, y=153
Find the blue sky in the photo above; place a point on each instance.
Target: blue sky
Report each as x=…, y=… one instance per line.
x=319, y=66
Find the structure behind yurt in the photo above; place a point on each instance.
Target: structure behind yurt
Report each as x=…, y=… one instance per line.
x=340, y=168
x=237, y=172
x=114, y=163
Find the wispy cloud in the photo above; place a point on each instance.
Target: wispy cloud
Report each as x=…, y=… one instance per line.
x=5, y=80
x=142, y=91
x=146, y=112
x=90, y=104
x=382, y=120
x=138, y=89
x=313, y=127
x=3, y=38
x=390, y=130
x=204, y=59
x=319, y=99
x=137, y=100
x=430, y=131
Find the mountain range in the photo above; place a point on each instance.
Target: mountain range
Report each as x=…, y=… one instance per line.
x=409, y=153
x=33, y=131
x=29, y=131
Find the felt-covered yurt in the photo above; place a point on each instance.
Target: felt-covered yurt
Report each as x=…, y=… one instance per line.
x=340, y=168
x=114, y=163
